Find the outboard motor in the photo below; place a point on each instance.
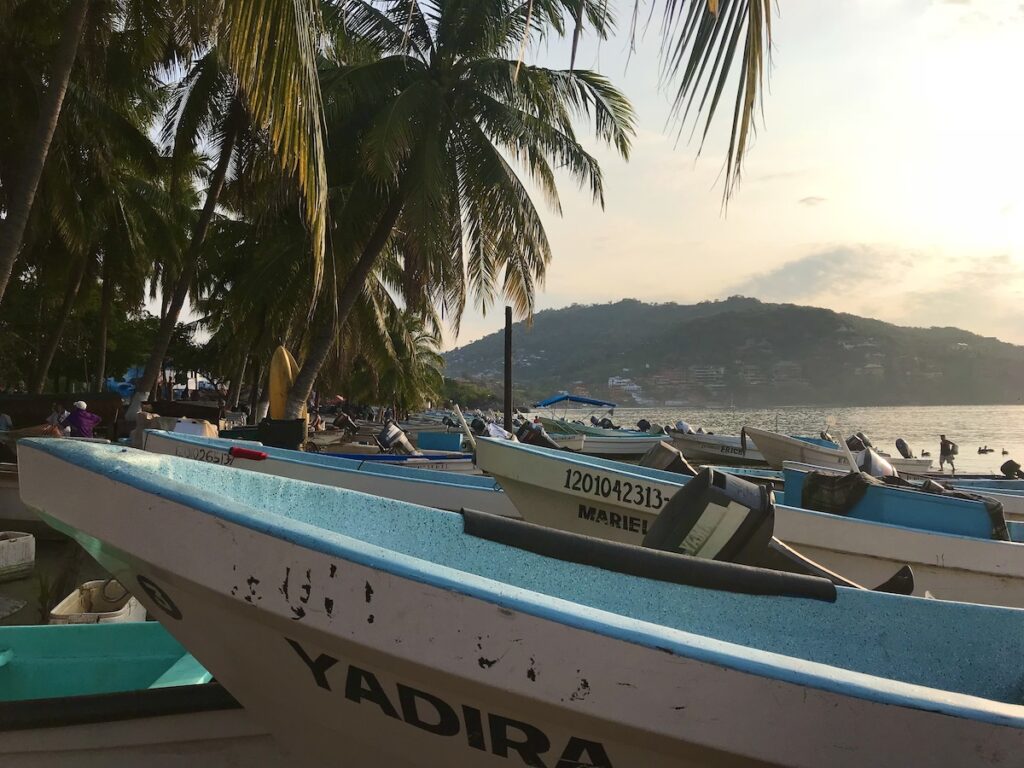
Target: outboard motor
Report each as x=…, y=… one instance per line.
x=667, y=458
x=1011, y=469
x=643, y=425
x=683, y=427
x=493, y=430
x=478, y=426
x=393, y=439
x=864, y=439
x=904, y=449
x=594, y=421
x=710, y=503
x=874, y=465
x=855, y=444
x=606, y=423
x=534, y=434
x=344, y=422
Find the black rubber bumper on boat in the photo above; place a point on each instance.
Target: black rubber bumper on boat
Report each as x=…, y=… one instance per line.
x=648, y=563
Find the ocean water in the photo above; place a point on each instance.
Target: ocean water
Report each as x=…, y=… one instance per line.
x=969, y=426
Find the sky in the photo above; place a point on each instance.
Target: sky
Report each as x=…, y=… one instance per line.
x=886, y=178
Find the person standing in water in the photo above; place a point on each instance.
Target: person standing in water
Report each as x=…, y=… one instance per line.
x=81, y=422
x=947, y=450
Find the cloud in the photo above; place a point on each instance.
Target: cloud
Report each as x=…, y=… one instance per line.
x=843, y=267
x=983, y=294
x=811, y=201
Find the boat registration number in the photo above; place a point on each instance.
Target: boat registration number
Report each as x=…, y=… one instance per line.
x=205, y=454
x=623, y=491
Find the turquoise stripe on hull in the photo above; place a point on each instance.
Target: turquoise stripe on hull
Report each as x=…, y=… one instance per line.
x=44, y=662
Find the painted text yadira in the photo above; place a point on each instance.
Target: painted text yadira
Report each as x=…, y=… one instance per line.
x=485, y=731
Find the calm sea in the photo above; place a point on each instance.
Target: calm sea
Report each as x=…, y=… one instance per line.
x=997, y=426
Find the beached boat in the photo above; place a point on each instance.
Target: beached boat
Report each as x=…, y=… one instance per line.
x=704, y=448
x=598, y=440
x=96, y=696
x=371, y=632
x=904, y=506
x=620, y=502
x=602, y=442
x=443, y=490
x=778, y=449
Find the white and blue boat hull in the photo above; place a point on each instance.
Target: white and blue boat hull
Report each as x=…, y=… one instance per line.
x=390, y=637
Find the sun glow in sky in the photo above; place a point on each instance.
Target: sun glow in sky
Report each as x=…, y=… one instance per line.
x=887, y=177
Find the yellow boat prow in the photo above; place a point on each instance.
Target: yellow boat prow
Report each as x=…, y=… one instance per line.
x=283, y=372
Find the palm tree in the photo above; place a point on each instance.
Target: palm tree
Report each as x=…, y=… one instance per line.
x=22, y=191
x=440, y=110
x=283, y=98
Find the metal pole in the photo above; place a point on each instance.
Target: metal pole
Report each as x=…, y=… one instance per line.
x=508, y=369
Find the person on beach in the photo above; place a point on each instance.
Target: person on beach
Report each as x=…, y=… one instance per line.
x=57, y=415
x=947, y=450
x=81, y=422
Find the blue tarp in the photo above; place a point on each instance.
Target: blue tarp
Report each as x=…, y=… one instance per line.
x=572, y=399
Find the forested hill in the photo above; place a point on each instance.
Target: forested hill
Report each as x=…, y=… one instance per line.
x=744, y=352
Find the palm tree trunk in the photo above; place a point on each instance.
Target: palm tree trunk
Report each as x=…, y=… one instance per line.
x=106, y=299
x=235, y=389
x=324, y=338
x=50, y=348
x=188, y=268
x=26, y=180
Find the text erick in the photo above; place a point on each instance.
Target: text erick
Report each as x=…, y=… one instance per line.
x=502, y=736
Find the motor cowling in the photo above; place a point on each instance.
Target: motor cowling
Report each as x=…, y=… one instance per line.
x=643, y=425
x=534, y=434
x=697, y=511
x=855, y=444
x=904, y=449
x=864, y=439
x=393, y=438
x=873, y=464
x=1011, y=468
x=478, y=426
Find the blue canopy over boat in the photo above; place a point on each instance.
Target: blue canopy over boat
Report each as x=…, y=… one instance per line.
x=567, y=398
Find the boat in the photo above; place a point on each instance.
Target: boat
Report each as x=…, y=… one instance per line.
x=444, y=490
x=620, y=502
x=118, y=695
x=598, y=441
x=778, y=449
x=909, y=506
x=705, y=447
x=382, y=633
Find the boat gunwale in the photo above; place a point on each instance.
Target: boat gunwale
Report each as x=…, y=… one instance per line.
x=453, y=482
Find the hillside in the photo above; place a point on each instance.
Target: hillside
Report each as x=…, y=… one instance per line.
x=744, y=352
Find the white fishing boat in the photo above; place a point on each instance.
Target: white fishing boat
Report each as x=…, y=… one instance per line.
x=14, y=515
x=369, y=632
x=618, y=501
x=778, y=449
x=431, y=488
x=704, y=448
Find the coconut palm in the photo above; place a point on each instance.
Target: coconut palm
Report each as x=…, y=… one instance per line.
x=283, y=98
x=438, y=113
